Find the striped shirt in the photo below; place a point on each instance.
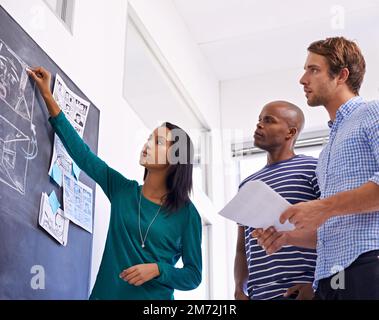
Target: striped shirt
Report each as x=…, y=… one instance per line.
x=350, y=159
x=271, y=275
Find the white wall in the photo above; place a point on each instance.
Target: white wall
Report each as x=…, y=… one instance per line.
x=85, y=57
x=247, y=96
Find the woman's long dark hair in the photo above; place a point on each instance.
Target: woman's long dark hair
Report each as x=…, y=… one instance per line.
x=179, y=176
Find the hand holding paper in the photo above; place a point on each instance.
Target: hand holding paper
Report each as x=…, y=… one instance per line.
x=258, y=206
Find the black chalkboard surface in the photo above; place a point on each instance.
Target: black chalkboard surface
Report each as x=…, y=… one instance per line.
x=26, y=142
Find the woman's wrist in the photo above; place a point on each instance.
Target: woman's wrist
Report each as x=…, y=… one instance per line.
x=157, y=272
x=47, y=96
x=51, y=104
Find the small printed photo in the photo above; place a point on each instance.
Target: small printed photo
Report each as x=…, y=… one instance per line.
x=78, y=119
x=59, y=84
x=69, y=98
x=67, y=108
x=83, y=108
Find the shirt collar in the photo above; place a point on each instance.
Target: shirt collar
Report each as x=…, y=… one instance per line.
x=346, y=109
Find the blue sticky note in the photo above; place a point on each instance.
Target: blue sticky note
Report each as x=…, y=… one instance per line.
x=75, y=170
x=56, y=174
x=54, y=203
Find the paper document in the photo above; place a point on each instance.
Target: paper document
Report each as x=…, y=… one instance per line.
x=54, y=223
x=76, y=110
x=77, y=202
x=74, y=107
x=257, y=205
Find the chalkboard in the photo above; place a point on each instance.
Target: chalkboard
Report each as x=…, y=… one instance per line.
x=26, y=143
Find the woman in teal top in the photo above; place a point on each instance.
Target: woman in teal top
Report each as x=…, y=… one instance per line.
x=152, y=225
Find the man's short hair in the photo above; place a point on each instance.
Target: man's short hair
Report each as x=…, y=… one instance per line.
x=341, y=53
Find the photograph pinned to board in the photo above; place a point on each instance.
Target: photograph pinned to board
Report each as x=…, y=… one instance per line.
x=55, y=224
x=76, y=111
x=77, y=202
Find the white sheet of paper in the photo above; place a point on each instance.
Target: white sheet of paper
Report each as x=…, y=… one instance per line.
x=76, y=110
x=55, y=224
x=74, y=107
x=77, y=202
x=257, y=205
x=60, y=157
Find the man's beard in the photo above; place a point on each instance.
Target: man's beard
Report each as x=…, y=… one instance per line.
x=316, y=101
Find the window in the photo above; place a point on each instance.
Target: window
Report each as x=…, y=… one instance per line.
x=313, y=151
x=249, y=165
x=64, y=9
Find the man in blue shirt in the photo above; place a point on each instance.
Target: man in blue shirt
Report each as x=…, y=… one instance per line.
x=267, y=277
x=345, y=222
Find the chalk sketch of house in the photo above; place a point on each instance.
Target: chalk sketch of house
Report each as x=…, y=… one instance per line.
x=18, y=139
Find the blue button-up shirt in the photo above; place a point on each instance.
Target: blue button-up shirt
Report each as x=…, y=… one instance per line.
x=349, y=160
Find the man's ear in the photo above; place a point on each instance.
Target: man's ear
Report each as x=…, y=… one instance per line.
x=292, y=132
x=343, y=76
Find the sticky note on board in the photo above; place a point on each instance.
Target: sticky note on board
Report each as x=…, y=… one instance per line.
x=56, y=174
x=54, y=203
x=75, y=170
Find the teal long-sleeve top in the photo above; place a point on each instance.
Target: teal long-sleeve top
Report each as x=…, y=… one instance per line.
x=172, y=235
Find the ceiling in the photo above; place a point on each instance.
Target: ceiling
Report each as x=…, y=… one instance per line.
x=242, y=38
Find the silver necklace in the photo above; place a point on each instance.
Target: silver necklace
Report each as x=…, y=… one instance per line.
x=143, y=239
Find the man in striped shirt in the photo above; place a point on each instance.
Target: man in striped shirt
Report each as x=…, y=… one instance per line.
x=345, y=222
x=290, y=270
